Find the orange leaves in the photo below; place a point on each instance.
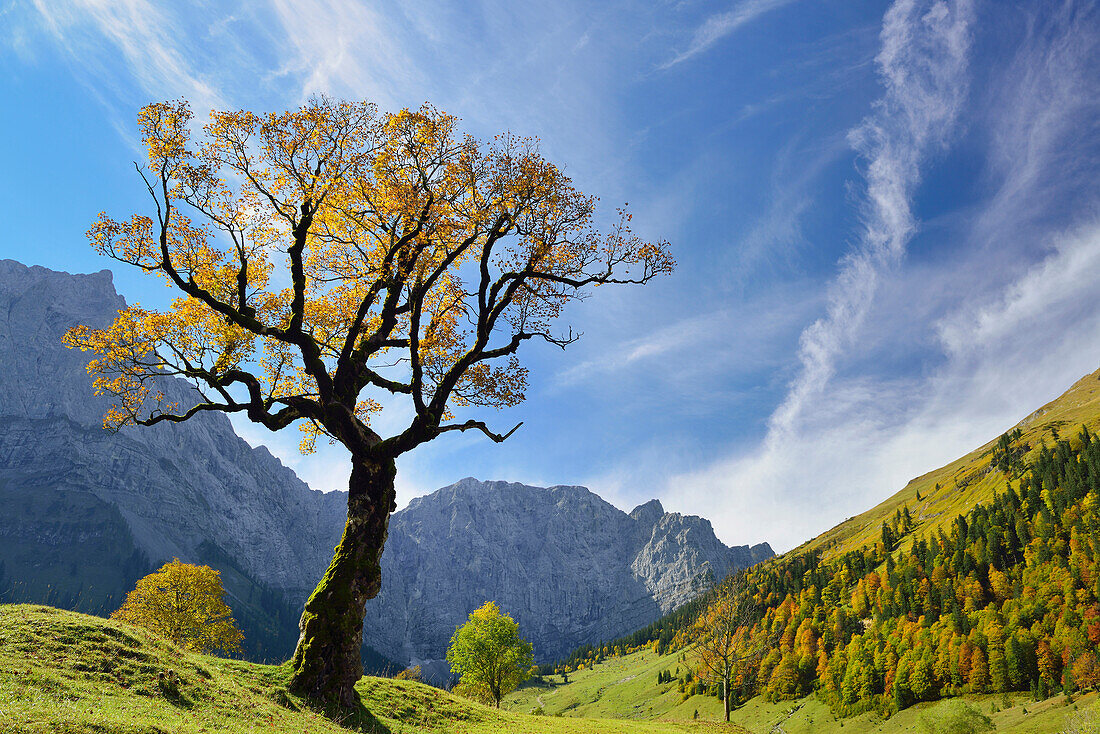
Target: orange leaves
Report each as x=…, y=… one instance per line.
x=293, y=156
x=328, y=254
x=142, y=346
x=1086, y=671
x=132, y=242
x=126, y=362
x=496, y=387
x=164, y=132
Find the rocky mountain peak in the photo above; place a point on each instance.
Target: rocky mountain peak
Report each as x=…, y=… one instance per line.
x=648, y=513
x=569, y=566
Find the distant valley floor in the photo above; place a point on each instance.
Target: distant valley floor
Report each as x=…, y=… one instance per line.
x=626, y=688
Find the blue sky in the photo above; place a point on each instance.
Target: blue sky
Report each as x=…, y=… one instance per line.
x=885, y=216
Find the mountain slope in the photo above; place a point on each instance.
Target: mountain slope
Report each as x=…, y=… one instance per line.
x=936, y=498
x=982, y=577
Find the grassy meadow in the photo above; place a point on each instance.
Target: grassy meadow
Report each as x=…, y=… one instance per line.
x=626, y=688
x=64, y=672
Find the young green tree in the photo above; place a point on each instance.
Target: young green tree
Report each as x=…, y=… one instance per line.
x=183, y=602
x=331, y=260
x=489, y=655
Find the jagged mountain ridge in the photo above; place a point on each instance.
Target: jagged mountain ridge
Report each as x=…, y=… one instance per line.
x=569, y=566
x=89, y=511
x=177, y=486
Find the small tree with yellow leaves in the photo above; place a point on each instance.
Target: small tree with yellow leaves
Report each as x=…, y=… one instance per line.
x=722, y=635
x=330, y=261
x=489, y=655
x=183, y=603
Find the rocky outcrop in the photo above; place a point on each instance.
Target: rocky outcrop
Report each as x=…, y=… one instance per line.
x=86, y=512
x=570, y=567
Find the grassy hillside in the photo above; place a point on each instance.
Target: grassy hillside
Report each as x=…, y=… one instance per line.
x=977, y=585
x=626, y=688
x=66, y=672
x=953, y=489
x=69, y=549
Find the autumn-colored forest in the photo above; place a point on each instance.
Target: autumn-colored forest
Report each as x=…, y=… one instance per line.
x=1004, y=598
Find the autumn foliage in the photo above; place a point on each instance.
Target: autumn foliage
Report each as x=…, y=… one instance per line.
x=1005, y=598
x=318, y=248
x=183, y=603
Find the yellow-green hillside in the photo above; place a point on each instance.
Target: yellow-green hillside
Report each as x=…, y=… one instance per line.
x=67, y=672
x=890, y=633
x=954, y=489
x=626, y=688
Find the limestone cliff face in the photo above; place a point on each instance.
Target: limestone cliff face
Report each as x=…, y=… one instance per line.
x=88, y=511
x=177, y=487
x=570, y=567
x=678, y=549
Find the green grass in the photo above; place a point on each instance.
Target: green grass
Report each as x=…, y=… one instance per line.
x=67, y=672
x=626, y=688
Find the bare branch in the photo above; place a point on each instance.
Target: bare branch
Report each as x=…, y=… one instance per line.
x=480, y=426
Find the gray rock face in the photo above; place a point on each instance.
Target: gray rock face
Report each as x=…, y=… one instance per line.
x=176, y=486
x=571, y=568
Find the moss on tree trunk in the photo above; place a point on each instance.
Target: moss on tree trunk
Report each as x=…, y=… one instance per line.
x=327, y=662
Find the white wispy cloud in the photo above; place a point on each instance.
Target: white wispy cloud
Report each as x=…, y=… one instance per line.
x=923, y=66
x=1015, y=291
x=721, y=25
x=350, y=48
x=142, y=32
x=775, y=238
x=1060, y=289
x=866, y=437
x=662, y=341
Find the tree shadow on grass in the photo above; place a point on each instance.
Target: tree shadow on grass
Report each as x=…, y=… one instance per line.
x=357, y=718
x=169, y=689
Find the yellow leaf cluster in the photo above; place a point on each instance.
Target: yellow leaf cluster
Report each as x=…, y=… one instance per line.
x=332, y=255
x=183, y=603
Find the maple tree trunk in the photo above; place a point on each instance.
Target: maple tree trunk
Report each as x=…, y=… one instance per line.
x=726, y=694
x=327, y=661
